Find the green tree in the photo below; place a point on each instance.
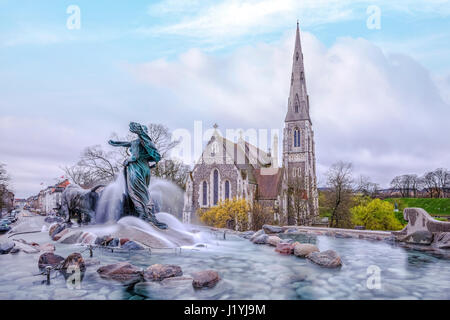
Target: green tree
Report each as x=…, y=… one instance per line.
x=376, y=215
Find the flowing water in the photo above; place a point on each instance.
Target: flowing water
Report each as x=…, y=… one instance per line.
x=247, y=271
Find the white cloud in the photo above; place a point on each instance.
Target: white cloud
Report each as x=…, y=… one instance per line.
x=383, y=112
x=213, y=21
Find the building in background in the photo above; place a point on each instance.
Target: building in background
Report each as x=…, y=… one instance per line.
x=228, y=170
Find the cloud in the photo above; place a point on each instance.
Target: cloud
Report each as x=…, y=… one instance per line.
x=214, y=21
x=384, y=112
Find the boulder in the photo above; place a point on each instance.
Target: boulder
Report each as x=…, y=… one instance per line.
x=56, y=228
x=131, y=245
x=87, y=238
x=257, y=234
x=47, y=247
x=327, y=259
x=442, y=240
x=6, y=247
x=103, y=241
x=272, y=229
x=247, y=234
x=49, y=259
x=419, y=237
x=123, y=272
x=205, y=279
x=122, y=241
x=261, y=239
x=71, y=237
x=61, y=234
x=74, y=260
x=273, y=240
x=284, y=248
x=303, y=249
x=159, y=272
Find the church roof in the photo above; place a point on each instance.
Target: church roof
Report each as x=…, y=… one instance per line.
x=268, y=184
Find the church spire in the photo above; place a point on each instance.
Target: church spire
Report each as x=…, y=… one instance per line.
x=298, y=103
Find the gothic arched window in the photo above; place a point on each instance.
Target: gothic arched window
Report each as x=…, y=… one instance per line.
x=227, y=189
x=205, y=193
x=216, y=186
x=296, y=138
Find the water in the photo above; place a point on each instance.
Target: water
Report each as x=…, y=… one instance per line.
x=166, y=196
x=247, y=271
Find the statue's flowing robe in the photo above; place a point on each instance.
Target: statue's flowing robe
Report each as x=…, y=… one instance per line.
x=138, y=175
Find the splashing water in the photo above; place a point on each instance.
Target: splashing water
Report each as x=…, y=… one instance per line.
x=110, y=204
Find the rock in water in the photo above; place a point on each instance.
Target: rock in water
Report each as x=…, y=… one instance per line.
x=419, y=237
x=48, y=247
x=6, y=247
x=247, y=234
x=49, y=259
x=131, y=245
x=261, y=239
x=273, y=240
x=205, y=279
x=256, y=235
x=327, y=259
x=272, y=229
x=56, y=228
x=442, y=240
x=284, y=248
x=303, y=249
x=159, y=272
x=123, y=272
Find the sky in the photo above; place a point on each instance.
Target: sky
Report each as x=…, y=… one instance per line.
x=377, y=73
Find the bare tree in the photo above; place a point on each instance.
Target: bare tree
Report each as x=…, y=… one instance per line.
x=442, y=179
x=99, y=166
x=366, y=187
x=339, y=194
x=260, y=216
x=297, y=202
x=407, y=185
x=4, y=180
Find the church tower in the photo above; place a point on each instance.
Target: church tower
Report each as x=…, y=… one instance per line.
x=300, y=183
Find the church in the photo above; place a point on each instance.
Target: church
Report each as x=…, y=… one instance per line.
x=229, y=170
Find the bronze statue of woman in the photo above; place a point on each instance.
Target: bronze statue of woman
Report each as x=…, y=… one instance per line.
x=137, y=173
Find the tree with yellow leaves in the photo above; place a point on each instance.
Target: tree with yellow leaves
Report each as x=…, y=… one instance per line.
x=229, y=212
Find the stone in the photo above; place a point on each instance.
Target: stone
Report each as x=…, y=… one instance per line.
x=61, y=234
x=71, y=237
x=53, y=219
x=284, y=248
x=442, y=240
x=159, y=272
x=87, y=238
x=122, y=241
x=55, y=229
x=303, y=249
x=14, y=250
x=257, y=234
x=327, y=259
x=131, y=245
x=261, y=239
x=247, y=234
x=272, y=229
x=123, y=272
x=47, y=247
x=273, y=240
x=103, y=241
x=49, y=259
x=74, y=260
x=205, y=279
x=6, y=247
x=419, y=237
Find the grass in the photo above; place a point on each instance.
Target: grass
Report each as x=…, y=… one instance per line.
x=431, y=205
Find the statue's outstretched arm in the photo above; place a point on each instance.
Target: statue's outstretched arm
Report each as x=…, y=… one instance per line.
x=120, y=143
